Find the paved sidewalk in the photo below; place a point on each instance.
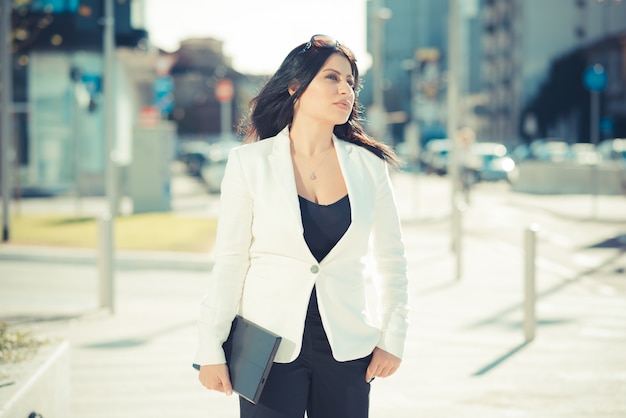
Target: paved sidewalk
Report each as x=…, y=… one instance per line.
x=465, y=355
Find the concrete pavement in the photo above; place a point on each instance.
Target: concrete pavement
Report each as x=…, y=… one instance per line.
x=465, y=356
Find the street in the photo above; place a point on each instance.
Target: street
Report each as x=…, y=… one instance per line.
x=577, y=234
x=465, y=354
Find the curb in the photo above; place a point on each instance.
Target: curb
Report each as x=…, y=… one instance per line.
x=124, y=260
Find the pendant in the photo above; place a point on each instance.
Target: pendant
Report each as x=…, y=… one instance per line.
x=312, y=176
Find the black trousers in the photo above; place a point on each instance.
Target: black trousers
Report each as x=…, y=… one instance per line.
x=315, y=382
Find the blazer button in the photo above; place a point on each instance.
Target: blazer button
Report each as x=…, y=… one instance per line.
x=315, y=269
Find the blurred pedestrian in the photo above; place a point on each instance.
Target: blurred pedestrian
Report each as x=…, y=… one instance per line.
x=467, y=163
x=305, y=201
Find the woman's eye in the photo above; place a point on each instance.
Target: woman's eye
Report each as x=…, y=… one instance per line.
x=332, y=77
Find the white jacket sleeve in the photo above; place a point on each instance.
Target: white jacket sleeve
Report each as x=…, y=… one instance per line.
x=390, y=274
x=232, y=244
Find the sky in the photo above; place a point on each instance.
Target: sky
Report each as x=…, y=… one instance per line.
x=258, y=34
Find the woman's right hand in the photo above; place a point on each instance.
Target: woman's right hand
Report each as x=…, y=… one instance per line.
x=216, y=377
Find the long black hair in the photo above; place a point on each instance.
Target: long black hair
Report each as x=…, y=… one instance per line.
x=272, y=110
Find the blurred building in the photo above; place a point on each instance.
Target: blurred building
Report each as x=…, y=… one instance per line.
x=530, y=48
x=58, y=109
x=414, y=59
x=520, y=72
x=57, y=51
x=199, y=66
x=610, y=52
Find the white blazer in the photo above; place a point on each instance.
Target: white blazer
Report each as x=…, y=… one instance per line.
x=265, y=271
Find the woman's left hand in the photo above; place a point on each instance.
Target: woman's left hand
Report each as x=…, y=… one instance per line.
x=383, y=364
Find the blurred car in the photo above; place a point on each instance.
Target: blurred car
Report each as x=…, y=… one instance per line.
x=193, y=154
x=613, y=149
x=521, y=152
x=489, y=161
x=212, y=171
x=551, y=151
x=584, y=153
x=434, y=156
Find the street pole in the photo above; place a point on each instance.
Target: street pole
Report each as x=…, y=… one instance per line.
x=377, y=114
x=595, y=126
x=530, y=293
x=224, y=92
x=6, y=112
x=107, y=239
x=452, y=98
x=595, y=79
x=226, y=117
x=377, y=64
x=75, y=76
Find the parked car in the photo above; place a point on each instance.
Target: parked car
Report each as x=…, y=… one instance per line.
x=584, y=153
x=489, y=161
x=434, y=156
x=212, y=171
x=552, y=151
x=521, y=152
x=193, y=154
x=206, y=158
x=613, y=149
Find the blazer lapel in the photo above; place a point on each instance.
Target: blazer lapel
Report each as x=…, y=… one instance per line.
x=344, y=155
x=282, y=170
x=353, y=179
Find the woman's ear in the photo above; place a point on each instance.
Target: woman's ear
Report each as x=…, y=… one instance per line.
x=293, y=86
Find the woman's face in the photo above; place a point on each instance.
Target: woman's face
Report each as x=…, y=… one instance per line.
x=329, y=97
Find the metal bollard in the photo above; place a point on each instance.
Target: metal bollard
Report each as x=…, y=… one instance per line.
x=105, y=262
x=457, y=220
x=530, y=249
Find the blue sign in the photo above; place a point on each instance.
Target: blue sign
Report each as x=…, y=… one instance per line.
x=163, y=88
x=595, y=78
x=92, y=82
x=163, y=85
x=606, y=125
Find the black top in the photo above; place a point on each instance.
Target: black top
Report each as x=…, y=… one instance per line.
x=324, y=225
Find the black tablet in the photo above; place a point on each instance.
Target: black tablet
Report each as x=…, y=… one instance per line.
x=250, y=351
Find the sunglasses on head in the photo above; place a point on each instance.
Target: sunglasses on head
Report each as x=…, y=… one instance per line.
x=321, y=41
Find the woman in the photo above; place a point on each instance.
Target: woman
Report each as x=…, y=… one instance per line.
x=305, y=204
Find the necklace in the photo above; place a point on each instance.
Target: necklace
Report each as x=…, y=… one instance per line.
x=312, y=176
